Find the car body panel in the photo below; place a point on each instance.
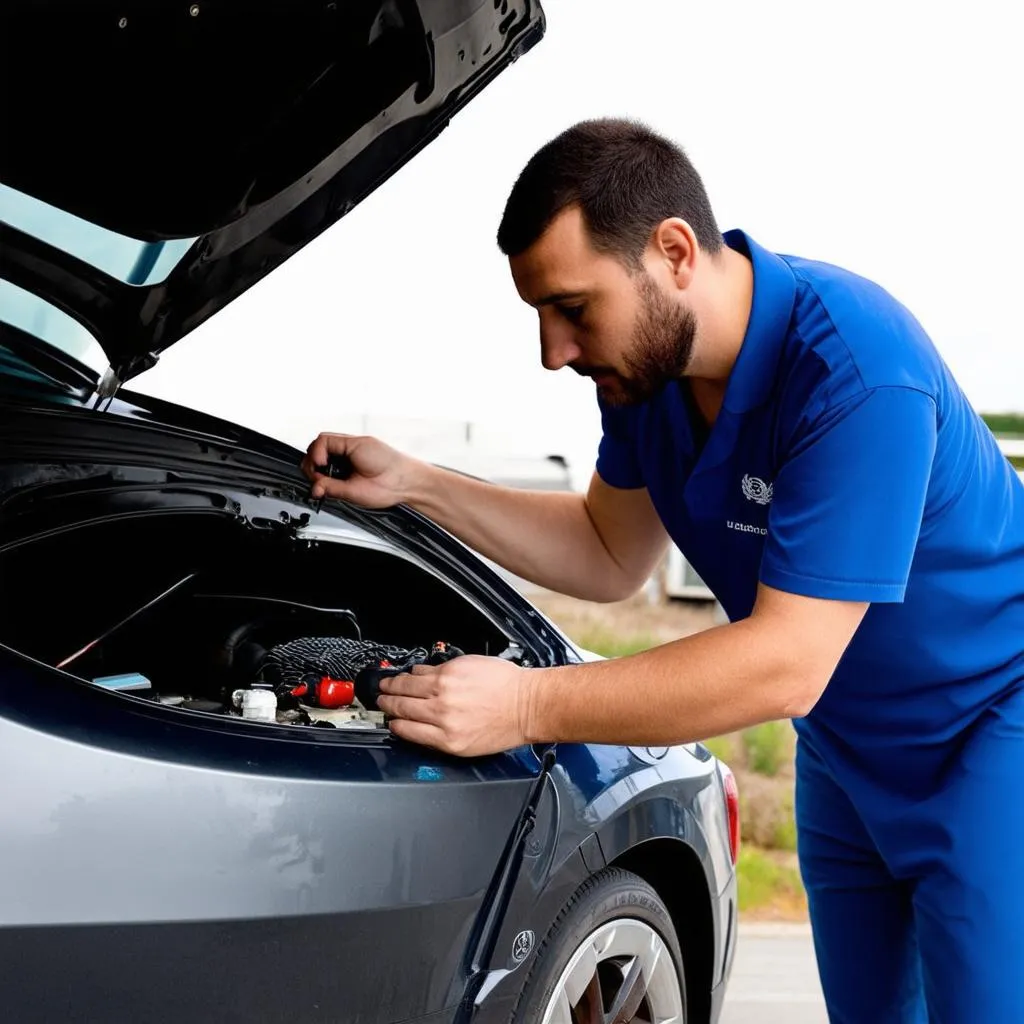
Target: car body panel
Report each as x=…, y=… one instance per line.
x=610, y=803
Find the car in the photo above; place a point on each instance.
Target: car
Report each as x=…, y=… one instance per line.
x=205, y=817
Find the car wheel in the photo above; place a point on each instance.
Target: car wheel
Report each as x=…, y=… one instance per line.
x=610, y=957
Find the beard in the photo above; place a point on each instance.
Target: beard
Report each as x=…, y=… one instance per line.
x=660, y=348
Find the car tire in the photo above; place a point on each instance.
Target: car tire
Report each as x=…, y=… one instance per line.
x=611, y=956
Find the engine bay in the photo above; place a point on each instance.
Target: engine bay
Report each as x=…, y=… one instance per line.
x=206, y=614
x=285, y=662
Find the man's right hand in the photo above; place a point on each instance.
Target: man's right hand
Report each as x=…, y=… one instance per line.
x=381, y=477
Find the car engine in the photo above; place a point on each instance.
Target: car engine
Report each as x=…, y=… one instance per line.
x=288, y=664
x=325, y=681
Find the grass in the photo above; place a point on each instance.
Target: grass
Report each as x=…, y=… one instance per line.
x=610, y=645
x=766, y=883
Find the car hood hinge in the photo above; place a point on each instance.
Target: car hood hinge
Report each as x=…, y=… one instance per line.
x=115, y=376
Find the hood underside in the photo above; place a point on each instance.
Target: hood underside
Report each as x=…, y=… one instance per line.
x=215, y=137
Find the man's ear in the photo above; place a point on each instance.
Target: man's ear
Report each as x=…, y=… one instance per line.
x=675, y=248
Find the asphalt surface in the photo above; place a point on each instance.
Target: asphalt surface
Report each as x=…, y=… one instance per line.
x=774, y=978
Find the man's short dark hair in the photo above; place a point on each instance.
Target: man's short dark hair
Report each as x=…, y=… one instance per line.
x=626, y=180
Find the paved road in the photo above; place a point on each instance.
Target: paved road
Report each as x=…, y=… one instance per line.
x=774, y=978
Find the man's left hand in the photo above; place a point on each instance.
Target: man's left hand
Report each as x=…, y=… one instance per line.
x=469, y=706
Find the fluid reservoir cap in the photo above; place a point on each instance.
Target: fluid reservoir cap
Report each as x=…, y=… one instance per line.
x=259, y=706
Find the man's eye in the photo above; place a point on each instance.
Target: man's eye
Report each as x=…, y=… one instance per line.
x=574, y=314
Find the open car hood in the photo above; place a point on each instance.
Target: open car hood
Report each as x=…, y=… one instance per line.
x=158, y=158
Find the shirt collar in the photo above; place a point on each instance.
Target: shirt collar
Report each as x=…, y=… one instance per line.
x=753, y=376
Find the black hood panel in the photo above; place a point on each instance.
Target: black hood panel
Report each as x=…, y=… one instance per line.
x=247, y=126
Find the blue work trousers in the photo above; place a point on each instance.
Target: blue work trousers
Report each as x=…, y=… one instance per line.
x=917, y=904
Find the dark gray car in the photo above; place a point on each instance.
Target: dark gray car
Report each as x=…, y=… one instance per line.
x=204, y=816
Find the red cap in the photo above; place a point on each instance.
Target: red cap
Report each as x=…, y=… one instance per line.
x=335, y=693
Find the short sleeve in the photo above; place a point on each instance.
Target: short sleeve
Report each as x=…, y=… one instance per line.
x=618, y=462
x=847, y=506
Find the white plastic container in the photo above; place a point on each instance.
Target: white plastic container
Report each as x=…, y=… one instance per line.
x=259, y=705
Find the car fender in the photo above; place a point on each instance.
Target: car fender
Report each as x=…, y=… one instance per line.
x=627, y=799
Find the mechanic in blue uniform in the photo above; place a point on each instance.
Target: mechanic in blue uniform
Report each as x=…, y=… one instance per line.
x=791, y=427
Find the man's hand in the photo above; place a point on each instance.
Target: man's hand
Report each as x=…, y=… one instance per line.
x=468, y=706
x=381, y=476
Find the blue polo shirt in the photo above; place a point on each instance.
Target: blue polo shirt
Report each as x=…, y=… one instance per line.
x=847, y=464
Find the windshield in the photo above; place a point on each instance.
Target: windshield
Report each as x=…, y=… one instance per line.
x=127, y=259
x=37, y=317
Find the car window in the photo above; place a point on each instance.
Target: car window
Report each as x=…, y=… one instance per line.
x=36, y=316
x=127, y=259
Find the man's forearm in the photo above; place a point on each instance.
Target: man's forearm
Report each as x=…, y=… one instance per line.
x=774, y=664
x=544, y=537
x=715, y=682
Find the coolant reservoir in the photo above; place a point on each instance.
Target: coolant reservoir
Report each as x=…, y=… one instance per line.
x=259, y=705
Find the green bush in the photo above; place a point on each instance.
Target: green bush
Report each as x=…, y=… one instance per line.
x=767, y=747
x=1005, y=422
x=784, y=837
x=762, y=880
x=721, y=747
x=766, y=812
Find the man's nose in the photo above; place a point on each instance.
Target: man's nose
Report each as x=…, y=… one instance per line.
x=558, y=348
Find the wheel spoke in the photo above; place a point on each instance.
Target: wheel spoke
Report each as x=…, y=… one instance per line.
x=583, y=970
x=630, y=995
x=590, y=1009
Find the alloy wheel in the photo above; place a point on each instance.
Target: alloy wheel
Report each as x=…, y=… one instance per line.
x=622, y=973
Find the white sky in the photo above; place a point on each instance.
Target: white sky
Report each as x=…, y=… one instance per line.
x=883, y=136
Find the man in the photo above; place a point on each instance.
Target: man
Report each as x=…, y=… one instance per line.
x=791, y=427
